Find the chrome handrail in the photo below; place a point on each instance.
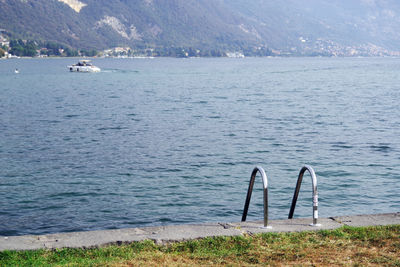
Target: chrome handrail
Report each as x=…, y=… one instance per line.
x=315, y=193
x=250, y=190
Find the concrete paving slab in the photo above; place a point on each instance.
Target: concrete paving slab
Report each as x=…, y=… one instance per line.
x=293, y=225
x=369, y=220
x=73, y=239
x=174, y=233
x=162, y=234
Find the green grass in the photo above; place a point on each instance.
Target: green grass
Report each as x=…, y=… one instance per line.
x=346, y=246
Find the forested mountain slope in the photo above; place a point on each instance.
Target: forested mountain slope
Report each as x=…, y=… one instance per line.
x=303, y=27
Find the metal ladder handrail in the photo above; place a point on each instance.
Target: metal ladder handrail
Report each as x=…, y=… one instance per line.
x=250, y=190
x=315, y=193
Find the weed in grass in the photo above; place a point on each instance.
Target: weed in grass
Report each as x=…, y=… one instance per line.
x=271, y=238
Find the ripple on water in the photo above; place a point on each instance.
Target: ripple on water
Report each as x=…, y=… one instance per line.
x=167, y=141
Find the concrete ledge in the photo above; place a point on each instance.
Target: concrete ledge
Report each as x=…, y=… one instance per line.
x=369, y=220
x=294, y=225
x=174, y=233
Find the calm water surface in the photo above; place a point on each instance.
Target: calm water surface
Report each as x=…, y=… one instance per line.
x=172, y=141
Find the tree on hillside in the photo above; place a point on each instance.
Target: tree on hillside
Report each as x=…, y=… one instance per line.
x=70, y=52
x=30, y=49
x=89, y=53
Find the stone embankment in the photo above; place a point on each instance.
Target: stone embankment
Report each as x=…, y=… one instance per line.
x=174, y=233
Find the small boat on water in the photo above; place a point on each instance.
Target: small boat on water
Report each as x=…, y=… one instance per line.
x=16, y=71
x=83, y=66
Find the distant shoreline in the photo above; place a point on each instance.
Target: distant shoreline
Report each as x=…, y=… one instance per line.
x=58, y=57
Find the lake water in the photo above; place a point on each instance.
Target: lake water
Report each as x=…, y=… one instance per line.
x=173, y=141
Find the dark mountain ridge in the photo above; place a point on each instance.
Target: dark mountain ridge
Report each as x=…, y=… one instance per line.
x=301, y=27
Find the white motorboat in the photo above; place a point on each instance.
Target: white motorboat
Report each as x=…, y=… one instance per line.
x=83, y=66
